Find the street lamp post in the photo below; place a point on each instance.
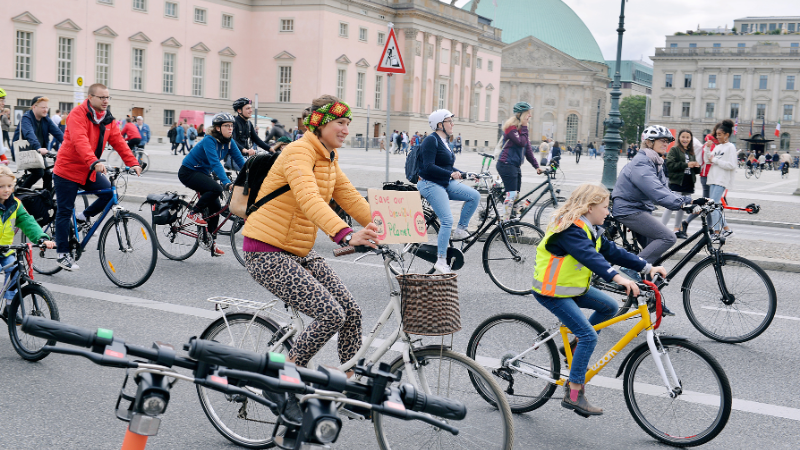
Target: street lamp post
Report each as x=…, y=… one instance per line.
x=614, y=121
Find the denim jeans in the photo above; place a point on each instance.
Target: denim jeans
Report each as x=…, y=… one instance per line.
x=568, y=311
x=439, y=198
x=715, y=193
x=12, y=290
x=66, y=191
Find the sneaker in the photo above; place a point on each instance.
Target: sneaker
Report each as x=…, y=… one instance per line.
x=681, y=235
x=666, y=311
x=728, y=233
x=684, y=226
x=442, y=267
x=459, y=234
x=581, y=404
x=196, y=218
x=217, y=251
x=67, y=263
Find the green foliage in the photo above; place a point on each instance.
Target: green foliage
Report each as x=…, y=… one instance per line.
x=680, y=34
x=775, y=32
x=632, y=110
x=733, y=29
x=758, y=32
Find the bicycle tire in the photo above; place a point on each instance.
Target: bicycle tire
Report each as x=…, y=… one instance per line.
x=237, y=240
x=235, y=420
x=42, y=264
x=491, y=347
x=483, y=428
x=695, y=308
x=37, y=301
x=138, y=240
x=122, y=187
x=512, y=273
x=748, y=173
x=544, y=211
x=690, y=432
x=176, y=240
x=114, y=160
x=757, y=173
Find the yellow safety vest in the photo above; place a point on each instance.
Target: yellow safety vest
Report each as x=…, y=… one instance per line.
x=7, y=233
x=562, y=276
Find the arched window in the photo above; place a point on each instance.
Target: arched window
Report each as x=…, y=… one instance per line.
x=785, y=139
x=572, y=129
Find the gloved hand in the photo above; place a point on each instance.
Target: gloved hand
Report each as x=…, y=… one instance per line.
x=700, y=201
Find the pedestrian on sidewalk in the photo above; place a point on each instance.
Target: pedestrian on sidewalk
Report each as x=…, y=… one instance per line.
x=172, y=135
x=383, y=142
x=682, y=167
x=723, y=168
x=144, y=131
x=180, y=138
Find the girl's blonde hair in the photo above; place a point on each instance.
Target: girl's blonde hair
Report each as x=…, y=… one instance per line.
x=6, y=172
x=587, y=194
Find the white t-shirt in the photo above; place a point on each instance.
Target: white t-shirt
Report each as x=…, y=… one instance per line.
x=56, y=119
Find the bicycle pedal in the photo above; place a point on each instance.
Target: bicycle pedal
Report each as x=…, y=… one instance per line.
x=344, y=412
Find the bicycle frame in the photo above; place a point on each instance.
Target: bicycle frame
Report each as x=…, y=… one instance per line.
x=114, y=202
x=187, y=227
x=548, y=182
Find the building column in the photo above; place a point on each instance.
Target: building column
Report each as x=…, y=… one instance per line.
x=748, y=94
x=513, y=98
x=776, y=86
x=537, y=113
x=561, y=116
x=699, y=112
x=472, y=82
x=423, y=90
x=583, y=134
x=451, y=82
x=723, y=94
x=437, y=60
x=408, y=77
x=462, y=81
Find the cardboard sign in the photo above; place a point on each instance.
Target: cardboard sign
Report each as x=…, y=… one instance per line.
x=398, y=215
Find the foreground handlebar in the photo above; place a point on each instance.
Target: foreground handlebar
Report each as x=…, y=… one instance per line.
x=61, y=332
x=417, y=400
x=223, y=355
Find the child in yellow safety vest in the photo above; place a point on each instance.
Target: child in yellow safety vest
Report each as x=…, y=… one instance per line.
x=573, y=249
x=13, y=215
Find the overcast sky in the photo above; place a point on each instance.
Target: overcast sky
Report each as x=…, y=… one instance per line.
x=647, y=22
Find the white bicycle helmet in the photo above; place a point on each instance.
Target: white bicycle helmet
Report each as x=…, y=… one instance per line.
x=654, y=132
x=438, y=117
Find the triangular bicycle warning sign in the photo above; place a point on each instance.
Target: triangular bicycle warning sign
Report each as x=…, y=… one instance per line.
x=391, y=60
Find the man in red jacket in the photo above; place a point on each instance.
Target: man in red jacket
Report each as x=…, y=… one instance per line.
x=89, y=127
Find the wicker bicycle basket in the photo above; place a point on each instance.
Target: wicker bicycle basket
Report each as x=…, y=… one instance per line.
x=429, y=304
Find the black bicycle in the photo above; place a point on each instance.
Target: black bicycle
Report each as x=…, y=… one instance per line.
x=244, y=375
x=550, y=194
x=728, y=298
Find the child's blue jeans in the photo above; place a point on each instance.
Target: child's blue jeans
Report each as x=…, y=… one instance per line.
x=11, y=271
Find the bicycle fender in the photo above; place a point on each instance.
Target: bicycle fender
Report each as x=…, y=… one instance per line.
x=684, y=285
x=426, y=347
x=665, y=339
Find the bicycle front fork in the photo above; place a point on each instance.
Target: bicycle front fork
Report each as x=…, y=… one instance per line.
x=664, y=365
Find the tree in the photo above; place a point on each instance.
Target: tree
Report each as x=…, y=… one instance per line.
x=632, y=110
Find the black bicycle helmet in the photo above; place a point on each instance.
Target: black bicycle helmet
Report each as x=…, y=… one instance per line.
x=240, y=103
x=221, y=118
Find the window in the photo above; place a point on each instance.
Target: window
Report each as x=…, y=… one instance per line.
x=710, y=110
x=762, y=81
x=734, y=110
x=772, y=27
x=106, y=2
x=378, y=87
x=171, y=9
x=65, y=107
x=741, y=45
x=225, y=79
x=685, y=110
x=785, y=141
x=285, y=85
x=24, y=102
x=341, y=78
x=666, y=110
x=169, y=117
x=381, y=38
x=572, y=129
x=102, y=63
x=790, y=27
x=788, y=112
x=715, y=45
x=744, y=28
x=24, y=54
x=360, y=89
x=668, y=80
x=490, y=65
x=673, y=45
x=790, y=83
x=167, y=85
x=687, y=80
x=737, y=81
x=65, y=60
x=137, y=69
x=793, y=48
x=442, y=96
x=140, y=5
x=287, y=25
x=200, y=16
x=227, y=21
x=712, y=81
x=476, y=98
x=343, y=29
x=362, y=34
x=198, y=71
x=762, y=27
x=692, y=45
x=486, y=115
x=479, y=64
x=761, y=111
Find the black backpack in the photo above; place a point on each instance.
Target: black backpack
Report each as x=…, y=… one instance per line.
x=251, y=177
x=38, y=203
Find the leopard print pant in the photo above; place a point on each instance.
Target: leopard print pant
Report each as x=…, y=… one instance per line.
x=310, y=286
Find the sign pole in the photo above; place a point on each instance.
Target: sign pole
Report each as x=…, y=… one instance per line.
x=367, y=133
x=388, y=120
x=255, y=108
x=391, y=62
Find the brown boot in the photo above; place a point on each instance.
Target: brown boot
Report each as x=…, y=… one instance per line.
x=580, y=405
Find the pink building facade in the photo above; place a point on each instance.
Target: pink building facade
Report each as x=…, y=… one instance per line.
x=160, y=57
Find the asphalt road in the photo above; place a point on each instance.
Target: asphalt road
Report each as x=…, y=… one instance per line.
x=68, y=403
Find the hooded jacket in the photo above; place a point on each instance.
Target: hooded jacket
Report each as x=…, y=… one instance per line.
x=517, y=147
x=27, y=128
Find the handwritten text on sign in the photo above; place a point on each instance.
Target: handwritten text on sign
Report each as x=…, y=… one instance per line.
x=398, y=215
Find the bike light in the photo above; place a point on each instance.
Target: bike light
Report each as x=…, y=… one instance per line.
x=154, y=405
x=326, y=431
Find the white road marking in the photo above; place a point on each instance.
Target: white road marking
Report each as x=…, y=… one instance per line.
x=748, y=312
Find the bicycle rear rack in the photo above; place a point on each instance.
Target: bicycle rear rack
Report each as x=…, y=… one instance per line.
x=241, y=304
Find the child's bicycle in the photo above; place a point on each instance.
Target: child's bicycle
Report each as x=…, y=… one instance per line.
x=241, y=374
x=674, y=389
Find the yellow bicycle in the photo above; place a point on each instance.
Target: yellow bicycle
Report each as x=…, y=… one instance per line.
x=675, y=390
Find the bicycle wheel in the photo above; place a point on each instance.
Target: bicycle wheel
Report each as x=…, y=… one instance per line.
x=748, y=173
x=499, y=339
x=44, y=262
x=510, y=263
x=237, y=240
x=757, y=172
x=122, y=187
x=178, y=239
x=747, y=316
x=447, y=374
x=127, y=250
x=114, y=160
x=35, y=300
x=544, y=212
x=703, y=404
x=238, y=419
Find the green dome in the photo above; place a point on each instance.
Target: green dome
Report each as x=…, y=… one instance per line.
x=550, y=21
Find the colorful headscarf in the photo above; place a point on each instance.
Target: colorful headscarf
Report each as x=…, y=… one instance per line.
x=327, y=113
